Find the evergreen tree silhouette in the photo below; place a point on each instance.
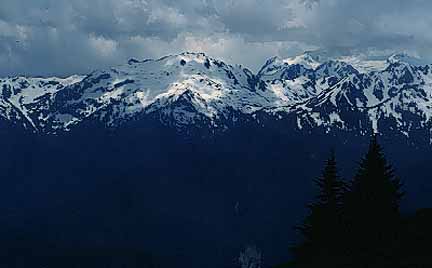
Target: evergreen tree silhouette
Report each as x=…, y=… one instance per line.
x=321, y=227
x=371, y=213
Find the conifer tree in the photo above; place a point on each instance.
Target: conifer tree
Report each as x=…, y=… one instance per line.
x=371, y=212
x=321, y=228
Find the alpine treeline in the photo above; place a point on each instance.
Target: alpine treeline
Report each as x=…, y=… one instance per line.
x=359, y=223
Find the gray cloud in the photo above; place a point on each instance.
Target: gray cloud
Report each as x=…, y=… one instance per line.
x=61, y=37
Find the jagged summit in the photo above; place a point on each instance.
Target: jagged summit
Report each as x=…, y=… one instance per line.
x=362, y=62
x=309, y=60
x=21, y=97
x=406, y=58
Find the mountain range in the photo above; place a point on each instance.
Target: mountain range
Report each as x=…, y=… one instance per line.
x=308, y=92
x=194, y=159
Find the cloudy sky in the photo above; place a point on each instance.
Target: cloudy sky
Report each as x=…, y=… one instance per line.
x=63, y=37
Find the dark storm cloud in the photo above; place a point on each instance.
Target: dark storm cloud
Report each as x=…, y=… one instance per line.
x=384, y=24
x=61, y=37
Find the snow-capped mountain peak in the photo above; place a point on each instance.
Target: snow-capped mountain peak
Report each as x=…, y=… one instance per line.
x=128, y=91
x=309, y=60
x=407, y=59
x=362, y=62
x=22, y=99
